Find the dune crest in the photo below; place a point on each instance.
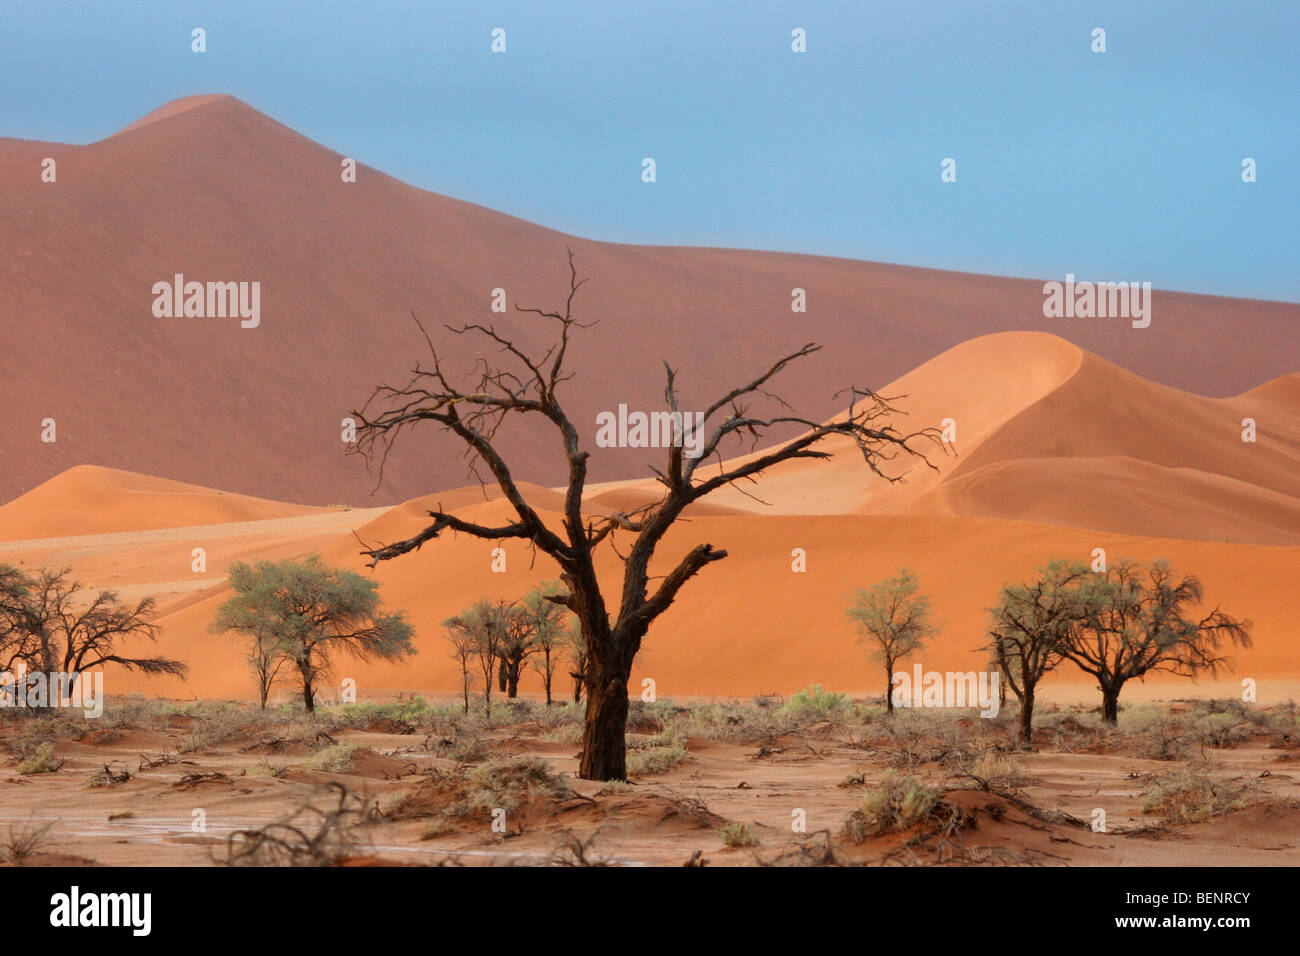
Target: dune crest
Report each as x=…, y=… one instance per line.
x=89, y=499
x=1048, y=432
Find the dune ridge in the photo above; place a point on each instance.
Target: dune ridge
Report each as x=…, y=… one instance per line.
x=89, y=500
x=211, y=188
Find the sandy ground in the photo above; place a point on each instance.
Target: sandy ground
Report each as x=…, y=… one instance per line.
x=661, y=819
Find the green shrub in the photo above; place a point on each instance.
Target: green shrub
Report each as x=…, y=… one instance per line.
x=896, y=803
x=813, y=701
x=650, y=761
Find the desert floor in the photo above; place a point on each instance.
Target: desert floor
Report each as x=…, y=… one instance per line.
x=714, y=782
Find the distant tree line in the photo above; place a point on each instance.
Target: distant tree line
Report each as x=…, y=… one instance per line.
x=1115, y=625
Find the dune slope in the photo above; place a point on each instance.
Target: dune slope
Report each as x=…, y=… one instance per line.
x=93, y=500
x=210, y=188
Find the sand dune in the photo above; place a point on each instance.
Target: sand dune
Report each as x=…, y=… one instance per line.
x=749, y=624
x=1116, y=493
x=211, y=188
x=1061, y=452
x=89, y=500
x=746, y=625
x=1050, y=433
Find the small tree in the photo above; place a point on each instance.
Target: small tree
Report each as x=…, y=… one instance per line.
x=482, y=626
x=1029, y=628
x=462, y=652
x=266, y=658
x=516, y=649
x=894, y=620
x=50, y=625
x=312, y=612
x=576, y=646
x=546, y=619
x=1135, y=621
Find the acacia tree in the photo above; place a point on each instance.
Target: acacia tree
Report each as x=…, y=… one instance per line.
x=517, y=647
x=1135, y=621
x=1030, y=627
x=527, y=386
x=482, y=628
x=576, y=646
x=15, y=640
x=894, y=620
x=311, y=612
x=546, y=619
x=48, y=626
x=462, y=652
x=266, y=658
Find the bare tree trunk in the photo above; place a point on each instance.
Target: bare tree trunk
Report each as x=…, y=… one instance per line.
x=1110, y=703
x=604, y=731
x=1027, y=717
x=889, y=687
x=308, y=692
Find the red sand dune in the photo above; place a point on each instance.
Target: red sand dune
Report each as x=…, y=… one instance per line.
x=1047, y=432
x=213, y=189
x=749, y=624
x=91, y=500
x=1069, y=452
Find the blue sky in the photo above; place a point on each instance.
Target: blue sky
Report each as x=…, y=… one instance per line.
x=1122, y=165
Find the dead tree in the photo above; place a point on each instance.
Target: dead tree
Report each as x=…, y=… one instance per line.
x=528, y=385
x=50, y=625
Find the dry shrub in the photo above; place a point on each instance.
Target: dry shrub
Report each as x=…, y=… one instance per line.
x=1190, y=795
x=39, y=759
x=338, y=758
x=571, y=850
x=648, y=756
x=897, y=802
x=514, y=784
x=738, y=835
x=24, y=840
x=510, y=783
x=313, y=835
x=992, y=771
